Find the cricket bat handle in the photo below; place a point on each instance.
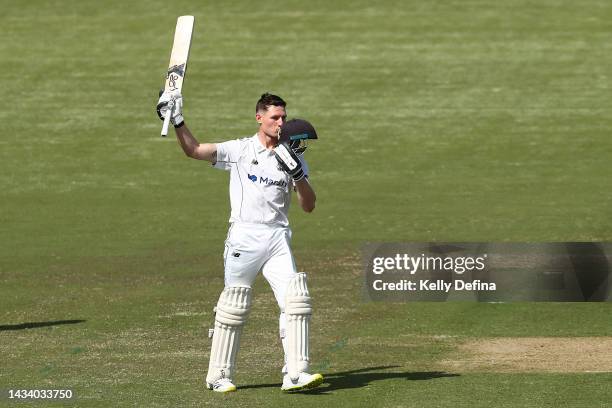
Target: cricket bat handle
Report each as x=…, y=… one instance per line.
x=166, y=124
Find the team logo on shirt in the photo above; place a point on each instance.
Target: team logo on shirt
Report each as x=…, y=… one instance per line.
x=267, y=181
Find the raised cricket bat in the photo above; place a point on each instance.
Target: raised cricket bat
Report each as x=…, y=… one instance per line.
x=178, y=62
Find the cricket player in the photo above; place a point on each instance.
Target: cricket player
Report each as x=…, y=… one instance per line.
x=264, y=170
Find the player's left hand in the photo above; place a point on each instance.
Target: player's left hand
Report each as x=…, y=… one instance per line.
x=289, y=161
x=172, y=101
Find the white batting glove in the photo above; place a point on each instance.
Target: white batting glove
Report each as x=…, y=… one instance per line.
x=289, y=161
x=173, y=102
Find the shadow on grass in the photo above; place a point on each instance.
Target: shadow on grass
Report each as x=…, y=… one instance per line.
x=361, y=378
x=34, y=325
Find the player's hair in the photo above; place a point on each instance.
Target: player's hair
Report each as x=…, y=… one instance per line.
x=266, y=100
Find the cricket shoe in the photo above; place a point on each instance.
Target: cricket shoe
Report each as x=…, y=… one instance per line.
x=221, y=385
x=304, y=382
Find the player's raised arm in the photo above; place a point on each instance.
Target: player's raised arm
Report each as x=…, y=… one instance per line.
x=194, y=149
x=292, y=141
x=190, y=145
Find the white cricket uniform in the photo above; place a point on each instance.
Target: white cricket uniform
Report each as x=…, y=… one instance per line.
x=259, y=234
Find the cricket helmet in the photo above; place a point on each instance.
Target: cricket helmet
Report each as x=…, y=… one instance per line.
x=296, y=132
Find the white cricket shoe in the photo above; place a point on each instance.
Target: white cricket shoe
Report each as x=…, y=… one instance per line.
x=304, y=382
x=222, y=385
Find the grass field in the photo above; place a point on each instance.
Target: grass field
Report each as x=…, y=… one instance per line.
x=438, y=121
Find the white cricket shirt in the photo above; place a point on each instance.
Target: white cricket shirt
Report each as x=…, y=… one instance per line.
x=260, y=191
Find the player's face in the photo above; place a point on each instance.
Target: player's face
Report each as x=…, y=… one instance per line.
x=271, y=120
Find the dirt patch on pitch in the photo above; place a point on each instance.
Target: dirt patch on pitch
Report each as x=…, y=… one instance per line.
x=533, y=354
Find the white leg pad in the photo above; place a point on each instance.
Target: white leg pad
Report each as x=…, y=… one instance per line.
x=298, y=309
x=232, y=312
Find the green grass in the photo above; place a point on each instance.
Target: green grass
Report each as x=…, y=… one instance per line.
x=438, y=121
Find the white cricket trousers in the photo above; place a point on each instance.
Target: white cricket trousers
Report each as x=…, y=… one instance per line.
x=250, y=248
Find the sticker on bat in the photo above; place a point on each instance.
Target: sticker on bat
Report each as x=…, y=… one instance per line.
x=177, y=69
x=172, y=82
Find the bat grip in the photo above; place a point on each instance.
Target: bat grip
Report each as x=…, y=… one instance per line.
x=166, y=124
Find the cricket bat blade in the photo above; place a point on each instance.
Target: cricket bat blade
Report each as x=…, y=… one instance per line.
x=177, y=68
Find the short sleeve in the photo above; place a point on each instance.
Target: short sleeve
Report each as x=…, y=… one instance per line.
x=227, y=154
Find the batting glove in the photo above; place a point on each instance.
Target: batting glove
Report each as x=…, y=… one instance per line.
x=289, y=161
x=173, y=102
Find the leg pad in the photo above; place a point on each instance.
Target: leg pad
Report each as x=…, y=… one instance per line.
x=232, y=312
x=298, y=309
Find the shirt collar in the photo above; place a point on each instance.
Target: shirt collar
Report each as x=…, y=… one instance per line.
x=259, y=148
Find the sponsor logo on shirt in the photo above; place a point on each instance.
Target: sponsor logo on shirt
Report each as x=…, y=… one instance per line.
x=267, y=181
